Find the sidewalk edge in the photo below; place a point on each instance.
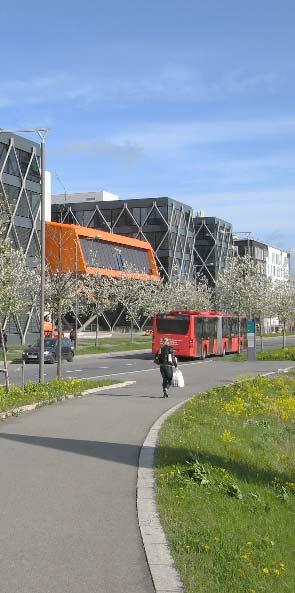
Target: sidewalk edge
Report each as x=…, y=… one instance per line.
x=55, y=400
x=162, y=568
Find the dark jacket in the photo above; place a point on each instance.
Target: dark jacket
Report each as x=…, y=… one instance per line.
x=164, y=358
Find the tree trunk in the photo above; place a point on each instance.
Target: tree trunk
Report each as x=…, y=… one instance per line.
x=52, y=324
x=131, y=330
x=284, y=334
x=96, y=332
x=261, y=337
x=59, y=345
x=4, y=359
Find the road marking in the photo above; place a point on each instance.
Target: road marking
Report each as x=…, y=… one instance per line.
x=142, y=370
x=75, y=371
x=129, y=364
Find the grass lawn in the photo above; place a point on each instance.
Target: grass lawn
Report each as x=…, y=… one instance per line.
x=226, y=490
x=113, y=344
x=276, y=335
x=287, y=353
x=47, y=392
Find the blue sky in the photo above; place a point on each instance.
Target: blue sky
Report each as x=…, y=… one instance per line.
x=188, y=99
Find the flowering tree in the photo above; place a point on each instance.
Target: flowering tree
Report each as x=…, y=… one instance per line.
x=98, y=294
x=263, y=302
x=130, y=294
x=284, y=304
x=188, y=295
x=19, y=287
x=236, y=288
x=60, y=295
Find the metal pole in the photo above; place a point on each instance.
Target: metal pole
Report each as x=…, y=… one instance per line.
x=42, y=279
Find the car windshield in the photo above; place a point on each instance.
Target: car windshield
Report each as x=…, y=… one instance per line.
x=48, y=343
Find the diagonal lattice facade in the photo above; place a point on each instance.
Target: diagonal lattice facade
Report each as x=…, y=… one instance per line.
x=213, y=245
x=20, y=189
x=165, y=223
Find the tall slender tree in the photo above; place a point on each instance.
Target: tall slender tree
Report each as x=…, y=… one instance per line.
x=19, y=287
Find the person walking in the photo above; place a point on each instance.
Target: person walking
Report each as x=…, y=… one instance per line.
x=166, y=359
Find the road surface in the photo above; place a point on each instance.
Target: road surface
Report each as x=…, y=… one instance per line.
x=94, y=366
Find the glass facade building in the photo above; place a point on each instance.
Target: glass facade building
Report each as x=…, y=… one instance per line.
x=163, y=222
x=20, y=189
x=213, y=245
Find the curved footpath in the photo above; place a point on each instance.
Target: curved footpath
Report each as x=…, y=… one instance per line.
x=68, y=483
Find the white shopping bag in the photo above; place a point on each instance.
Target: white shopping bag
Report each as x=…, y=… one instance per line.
x=177, y=380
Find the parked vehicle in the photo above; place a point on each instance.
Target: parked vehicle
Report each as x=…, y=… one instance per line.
x=31, y=354
x=198, y=334
x=148, y=332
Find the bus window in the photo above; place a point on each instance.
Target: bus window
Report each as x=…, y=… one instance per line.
x=243, y=328
x=173, y=324
x=198, y=328
x=226, y=332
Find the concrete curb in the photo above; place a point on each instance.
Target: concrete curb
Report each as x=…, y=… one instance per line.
x=55, y=400
x=164, y=574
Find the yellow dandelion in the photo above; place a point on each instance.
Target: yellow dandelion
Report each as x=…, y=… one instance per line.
x=265, y=570
x=276, y=571
x=249, y=543
x=206, y=547
x=216, y=539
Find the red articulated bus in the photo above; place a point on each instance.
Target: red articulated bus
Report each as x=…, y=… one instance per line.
x=197, y=334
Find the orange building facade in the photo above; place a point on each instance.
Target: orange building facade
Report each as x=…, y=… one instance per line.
x=76, y=249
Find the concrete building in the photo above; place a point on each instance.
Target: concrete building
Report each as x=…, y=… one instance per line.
x=213, y=245
x=20, y=203
x=277, y=264
x=255, y=249
x=273, y=262
x=165, y=223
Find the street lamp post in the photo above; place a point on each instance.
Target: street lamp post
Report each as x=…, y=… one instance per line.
x=42, y=132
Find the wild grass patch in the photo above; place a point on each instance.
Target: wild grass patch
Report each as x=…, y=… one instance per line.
x=287, y=353
x=46, y=392
x=226, y=489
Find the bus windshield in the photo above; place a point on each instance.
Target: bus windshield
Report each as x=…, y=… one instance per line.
x=173, y=324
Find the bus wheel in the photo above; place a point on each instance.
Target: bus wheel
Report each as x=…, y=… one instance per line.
x=204, y=354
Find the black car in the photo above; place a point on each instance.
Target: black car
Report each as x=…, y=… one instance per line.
x=31, y=354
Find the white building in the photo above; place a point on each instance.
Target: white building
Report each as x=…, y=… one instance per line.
x=278, y=269
x=90, y=196
x=277, y=264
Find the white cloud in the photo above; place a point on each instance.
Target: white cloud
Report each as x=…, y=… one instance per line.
x=167, y=137
x=125, y=150
x=171, y=81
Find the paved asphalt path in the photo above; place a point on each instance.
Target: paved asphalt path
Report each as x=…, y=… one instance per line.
x=68, y=483
x=104, y=365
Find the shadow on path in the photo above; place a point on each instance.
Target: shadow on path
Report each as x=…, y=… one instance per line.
x=129, y=454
